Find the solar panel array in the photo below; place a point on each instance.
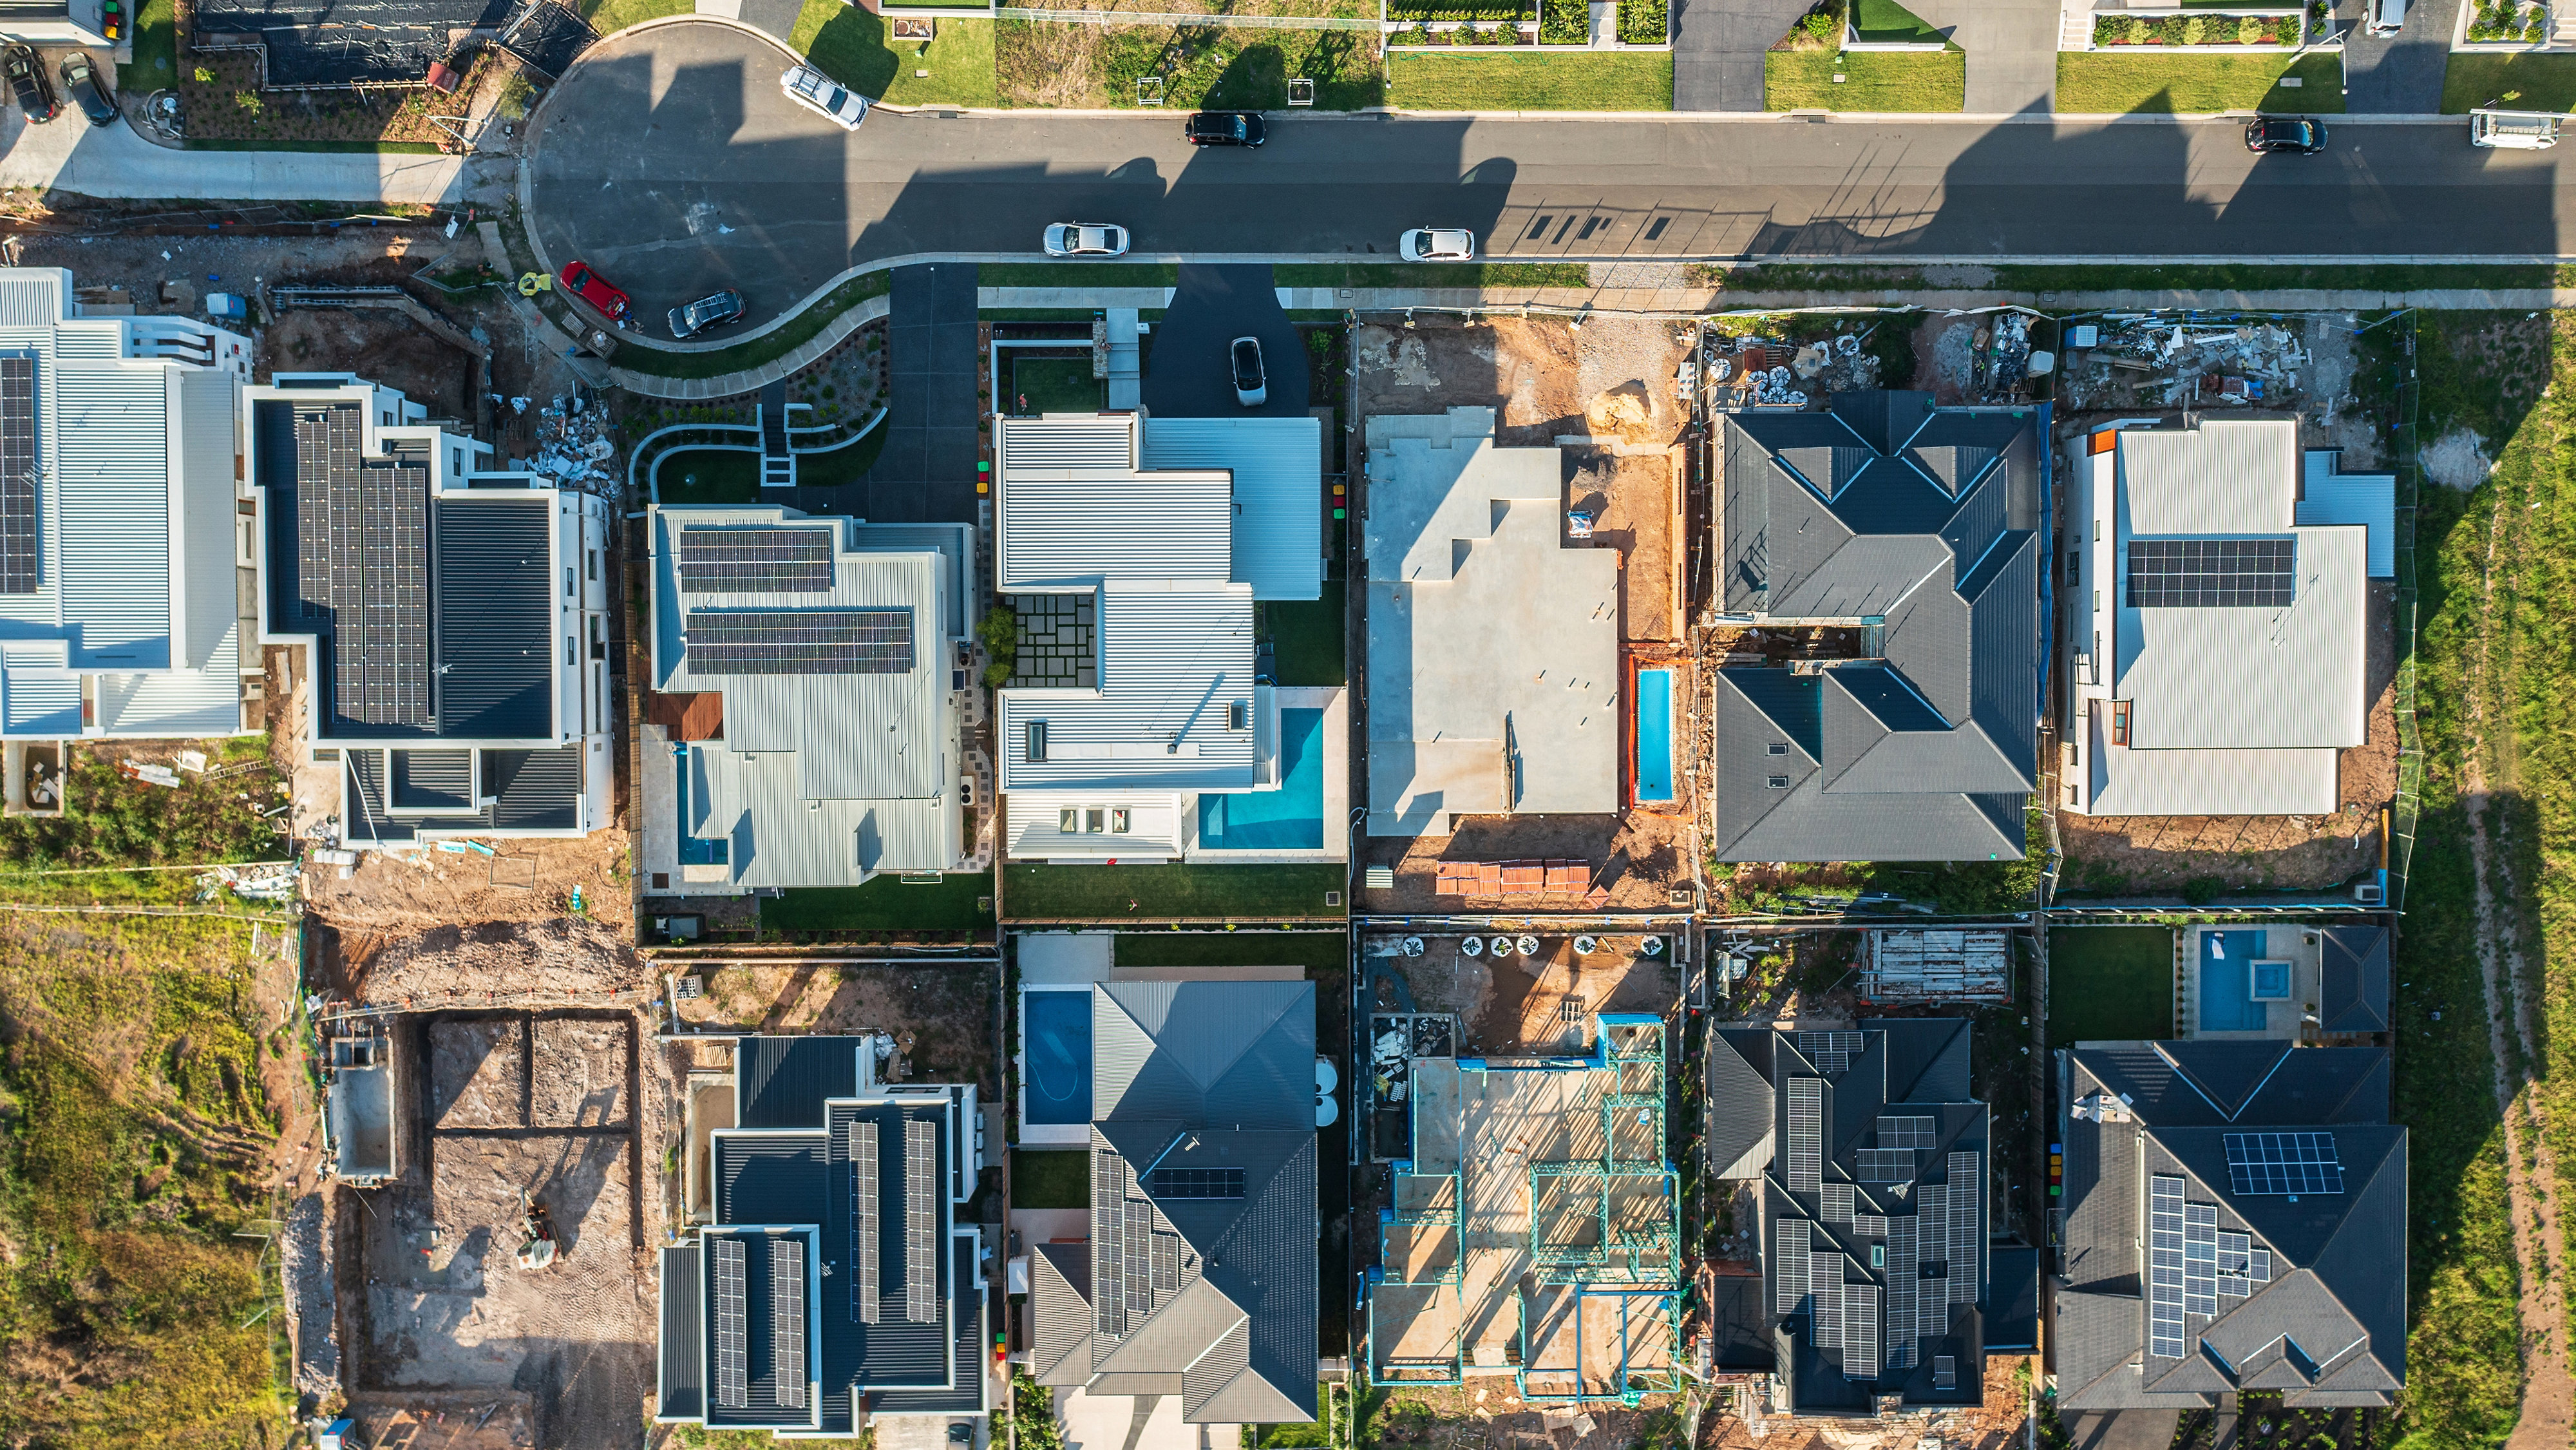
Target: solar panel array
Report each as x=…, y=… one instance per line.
x=2283, y=1163
x=755, y=560
x=2241, y=1266
x=1945, y=1372
x=732, y=1391
x=1789, y=1265
x=2164, y=1266
x=867, y=1226
x=1909, y=1132
x=1197, y=1182
x=1904, y=1288
x=1837, y=1200
x=920, y=1221
x=1109, y=1177
x=2200, y=1259
x=1825, y=1286
x=362, y=533
x=800, y=641
x=2211, y=573
x=1967, y=1235
x=20, y=572
x=1860, y=1331
x=787, y=1320
x=1806, y=1134
x=1830, y=1051
x=1886, y=1165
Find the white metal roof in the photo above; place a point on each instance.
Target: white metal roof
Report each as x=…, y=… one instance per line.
x=2227, y=476
x=1152, y=825
x=2327, y=496
x=1277, y=529
x=1176, y=659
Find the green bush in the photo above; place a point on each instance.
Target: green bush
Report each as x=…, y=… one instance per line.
x=1564, y=22
x=1643, y=22
x=2249, y=30
x=2193, y=29
x=2202, y=890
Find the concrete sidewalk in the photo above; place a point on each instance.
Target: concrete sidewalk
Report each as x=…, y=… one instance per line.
x=111, y=161
x=1699, y=301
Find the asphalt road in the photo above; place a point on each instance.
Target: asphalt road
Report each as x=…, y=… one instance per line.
x=672, y=162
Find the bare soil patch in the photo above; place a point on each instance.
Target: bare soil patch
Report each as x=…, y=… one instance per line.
x=1536, y=1004
x=565, y=959
x=1611, y=379
x=382, y=347
x=524, y=881
x=1638, y=858
x=941, y=1016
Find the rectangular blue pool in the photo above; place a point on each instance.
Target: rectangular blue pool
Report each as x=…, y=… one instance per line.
x=693, y=850
x=2227, y=982
x=1654, y=735
x=1055, y=1055
x=1290, y=818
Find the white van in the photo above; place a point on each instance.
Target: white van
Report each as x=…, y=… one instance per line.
x=2513, y=130
x=2387, y=17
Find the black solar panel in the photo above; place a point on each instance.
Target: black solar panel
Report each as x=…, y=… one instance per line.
x=2211, y=573
x=2283, y=1163
x=800, y=642
x=2164, y=1266
x=1197, y=1183
x=920, y=1226
x=732, y=1379
x=787, y=1320
x=755, y=560
x=865, y=1225
x=362, y=534
x=19, y=573
x=1908, y=1132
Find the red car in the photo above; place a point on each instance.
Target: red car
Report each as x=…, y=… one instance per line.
x=592, y=288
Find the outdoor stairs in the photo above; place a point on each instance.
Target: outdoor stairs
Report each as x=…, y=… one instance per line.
x=2074, y=25
x=777, y=464
x=2562, y=25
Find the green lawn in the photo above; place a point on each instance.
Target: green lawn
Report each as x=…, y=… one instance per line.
x=1308, y=636
x=846, y=464
x=2509, y=82
x=1045, y=64
x=848, y=44
x=2109, y=984
x=156, y=47
x=1051, y=892
x=707, y=475
x=610, y=16
x=2093, y=83
x=959, y=901
x=1043, y=1178
x=1431, y=274
x=1519, y=80
x=1803, y=80
x=1077, y=274
x=663, y=363
x=1055, y=385
x=1884, y=22
x=1317, y=951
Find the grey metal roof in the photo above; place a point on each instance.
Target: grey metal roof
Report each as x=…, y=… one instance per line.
x=2325, y=1319
x=1923, y=526
x=682, y=1381
x=782, y=1082
x=496, y=630
x=1236, y=1053
x=520, y=790
x=2354, y=994
x=2012, y=1297
x=1276, y=536
x=1060, y=1314
x=1739, y=1101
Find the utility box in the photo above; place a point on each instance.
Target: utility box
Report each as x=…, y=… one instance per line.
x=359, y=1113
x=226, y=305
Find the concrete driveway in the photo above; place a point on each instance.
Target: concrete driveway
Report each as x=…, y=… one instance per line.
x=2401, y=74
x=1718, y=47
x=1189, y=373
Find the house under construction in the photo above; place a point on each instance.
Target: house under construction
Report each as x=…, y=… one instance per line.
x=1534, y=1232
x=1936, y=966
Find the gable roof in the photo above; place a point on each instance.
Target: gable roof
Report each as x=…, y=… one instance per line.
x=1922, y=524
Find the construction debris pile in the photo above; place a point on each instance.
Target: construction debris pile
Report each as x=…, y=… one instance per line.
x=573, y=446
x=2142, y=359
x=269, y=881
x=1765, y=372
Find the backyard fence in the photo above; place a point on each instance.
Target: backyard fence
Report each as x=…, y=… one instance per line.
x=1161, y=18
x=2405, y=811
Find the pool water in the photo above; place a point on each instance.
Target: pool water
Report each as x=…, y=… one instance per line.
x=1055, y=1048
x=1654, y=735
x=2271, y=981
x=695, y=851
x=1290, y=818
x=2227, y=982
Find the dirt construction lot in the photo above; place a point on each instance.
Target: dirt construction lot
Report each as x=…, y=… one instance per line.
x=506, y=1103
x=941, y=1015
x=1520, y=1005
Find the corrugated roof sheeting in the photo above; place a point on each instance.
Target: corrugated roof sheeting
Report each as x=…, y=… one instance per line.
x=34, y=296
x=1036, y=825
x=178, y=703
x=2250, y=678
x=1064, y=529
x=496, y=618
x=534, y=790
x=2226, y=476
x=36, y=702
x=2129, y=782
x=1176, y=658
x=111, y=452
x=2369, y=499
x=205, y=416
x=1277, y=532
x=682, y=1384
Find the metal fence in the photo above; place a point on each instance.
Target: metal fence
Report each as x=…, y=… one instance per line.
x=2408, y=808
x=1163, y=18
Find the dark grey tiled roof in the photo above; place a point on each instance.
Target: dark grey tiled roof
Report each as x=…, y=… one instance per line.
x=2354, y=997
x=2325, y=1322
x=1928, y=521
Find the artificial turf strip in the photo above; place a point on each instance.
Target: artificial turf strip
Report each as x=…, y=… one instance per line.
x=2101, y=83
x=1307, y=637
x=2525, y=82
x=1043, y=1179
x=958, y=901
x=1316, y=951
x=1085, y=892
x=1884, y=22
x=2110, y=984
x=1884, y=80
x=1521, y=79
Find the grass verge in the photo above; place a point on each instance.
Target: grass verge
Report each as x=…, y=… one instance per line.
x=1803, y=80
x=1308, y=636
x=1046, y=63
x=2112, y=277
x=2109, y=984
x=2095, y=83
x=1052, y=892
x=2510, y=82
x=611, y=16
x=1583, y=80
x=352, y=148
x=156, y=47
x=851, y=46
x=1316, y=951
x=799, y=330
x=1043, y=1179
x=958, y=901
x=1431, y=274
x=848, y=463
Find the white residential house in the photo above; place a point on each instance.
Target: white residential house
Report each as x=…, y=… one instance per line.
x=1138, y=725
x=451, y=620
x=2219, y=584
x=121, y=591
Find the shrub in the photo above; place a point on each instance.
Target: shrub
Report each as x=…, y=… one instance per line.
x=1643, y=22
x=248, y=101
x=2202, y=890
x=2139, y=33
x=1564, y=22
x=205, y=77
x=2193, y=29
x=2249, y=30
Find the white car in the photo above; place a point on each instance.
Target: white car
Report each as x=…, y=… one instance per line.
x=1086, y=239
x=1438, y=244
x=824, y=96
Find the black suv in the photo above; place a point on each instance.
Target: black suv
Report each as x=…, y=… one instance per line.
x=2285, y=133
x=81, y=82
x=1225, y=128
x=27, y=82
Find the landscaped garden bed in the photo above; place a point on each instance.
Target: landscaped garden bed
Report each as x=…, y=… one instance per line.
x=2116, y=31
x=223, y=104
x=1644, y=22
x=1564, y=22
x=1461, y=34
x=2508, y=24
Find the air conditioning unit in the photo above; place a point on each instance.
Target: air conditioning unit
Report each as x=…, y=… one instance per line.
x=2370, y=893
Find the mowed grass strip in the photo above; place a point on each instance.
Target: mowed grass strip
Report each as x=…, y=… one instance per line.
x=1598, y=80
x=1880, y=80
x=1082, y=892
x=851, y=46
x=2109, y=984
x=2510, y=82
x=2093, y=83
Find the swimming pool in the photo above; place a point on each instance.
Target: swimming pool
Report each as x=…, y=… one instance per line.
x=695, y=851
x=2227, y=982
x=1290, y=818
x=1654, y=735
x=1055, y=1055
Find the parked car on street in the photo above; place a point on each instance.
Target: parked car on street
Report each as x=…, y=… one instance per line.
x=2285, y=133
x=81, y=83
x=2387, y=17
x=1225, y=128
x=707, y=312
x=27, y=83
x=1438, y=244
x=824, y=96
x=1085, y=239
x=1251, y=384
x=590, y=287
x=2512, y=132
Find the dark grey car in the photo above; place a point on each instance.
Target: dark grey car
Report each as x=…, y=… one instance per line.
x=2285, y=133
x=81, y=82
x=705, y=313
